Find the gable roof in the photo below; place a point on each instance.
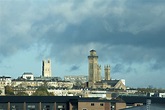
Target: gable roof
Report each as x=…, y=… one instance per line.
x=110, y=82
x=27, y=73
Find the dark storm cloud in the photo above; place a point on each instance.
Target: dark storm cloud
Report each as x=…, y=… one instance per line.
x=129, y=31
x=121, y=68
x=141, y=47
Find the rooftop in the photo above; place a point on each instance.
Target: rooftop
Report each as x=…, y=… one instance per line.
x=142, y=99
x=27, y=73
x=36, y=99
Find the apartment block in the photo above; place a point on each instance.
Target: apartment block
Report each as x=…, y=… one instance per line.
x=57, y=103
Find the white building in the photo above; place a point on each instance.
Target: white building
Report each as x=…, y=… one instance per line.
x=5, y=81
x=28, y=76
x=123, y=81
x=25, y=83
x=161, y=95
x=75, y=78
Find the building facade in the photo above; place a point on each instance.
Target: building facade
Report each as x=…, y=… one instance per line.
x=78, y=78
x=57, y=103
x=5, y=81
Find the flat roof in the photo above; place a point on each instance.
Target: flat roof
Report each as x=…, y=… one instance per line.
x=51, y=99
x=36, y=99
x=142, y=99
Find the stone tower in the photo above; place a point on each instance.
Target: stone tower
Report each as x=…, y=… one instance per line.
x=93, y=68
x=98, y=77
x=107, y=72
x=46, y=68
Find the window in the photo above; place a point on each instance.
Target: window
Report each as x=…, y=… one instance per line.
x=84, y=109
x=46, y=107
x=61, y=107
x=92, y=104
x=31, y=107
x=101, y=104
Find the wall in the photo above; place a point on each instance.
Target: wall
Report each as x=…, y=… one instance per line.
x=93, y=106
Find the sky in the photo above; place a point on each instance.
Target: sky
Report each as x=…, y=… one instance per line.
x=128, y=35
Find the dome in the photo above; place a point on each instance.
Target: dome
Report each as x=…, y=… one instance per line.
x=93, y=52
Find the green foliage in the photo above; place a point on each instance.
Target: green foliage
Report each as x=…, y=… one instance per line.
x=22, y=94
x=78, y=83
x=42, y=91
x=9, y=91
x=0, y=92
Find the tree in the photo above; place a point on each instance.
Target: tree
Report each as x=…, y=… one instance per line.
x=9, y=90
x=42, y=91
x=22, y=94
x=0, y=92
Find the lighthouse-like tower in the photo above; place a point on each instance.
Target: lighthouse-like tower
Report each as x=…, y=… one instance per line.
x=94, y=69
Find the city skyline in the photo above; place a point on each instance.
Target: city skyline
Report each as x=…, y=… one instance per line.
x=127, y=35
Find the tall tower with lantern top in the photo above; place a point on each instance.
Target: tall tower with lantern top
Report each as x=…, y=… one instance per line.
x=93, y=69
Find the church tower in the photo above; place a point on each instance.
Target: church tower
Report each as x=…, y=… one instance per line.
x=98, y=73
x=46, y=68
x=107, y=72
x=93, y=68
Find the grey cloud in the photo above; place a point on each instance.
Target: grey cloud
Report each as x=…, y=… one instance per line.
x=74, y=68
x=118, y=68
x=122, y=69
x=129, y=31
x=131, y=70
x=157, y=65
x=129, y=34
x=126, y=34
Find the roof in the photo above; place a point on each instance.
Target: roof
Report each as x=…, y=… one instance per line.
x=93, y=99
x=110, y=82
x=27, y=73
x=142, y=99
x=92, y=50
x=51, y=99
x=143, y=107
x=36, y=99
x=96, y=99
x=5, y=77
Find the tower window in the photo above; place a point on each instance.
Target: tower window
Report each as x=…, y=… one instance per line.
x=92, y=104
